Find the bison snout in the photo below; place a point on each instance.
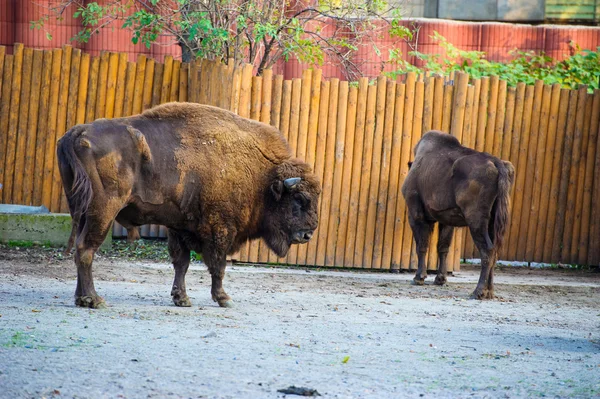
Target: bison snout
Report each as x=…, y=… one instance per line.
x=303, y=236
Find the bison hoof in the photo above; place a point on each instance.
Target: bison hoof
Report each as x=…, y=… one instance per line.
x=92, y=302
x=440, y=280
x=183, y=302
x=482, y=294
x=226, y=303
x=418, y=281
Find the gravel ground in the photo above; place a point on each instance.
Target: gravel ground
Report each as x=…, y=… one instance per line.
x=345, y=334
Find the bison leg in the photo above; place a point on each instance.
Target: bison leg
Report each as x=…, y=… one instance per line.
x=216, y=261
x=421, y=231
x=445, y=239
x=180, y=256
x=481, y=237
x=92, y=234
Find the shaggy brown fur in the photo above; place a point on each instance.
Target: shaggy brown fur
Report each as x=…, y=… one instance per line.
x=213, y=178
x=457, y=186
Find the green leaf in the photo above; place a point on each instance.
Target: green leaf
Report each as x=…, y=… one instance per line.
x=48, y=36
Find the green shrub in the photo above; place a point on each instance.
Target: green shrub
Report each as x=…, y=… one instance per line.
x=581, y=68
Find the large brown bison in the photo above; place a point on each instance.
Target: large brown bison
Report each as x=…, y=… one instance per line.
x=457, y=186
x=216, y=180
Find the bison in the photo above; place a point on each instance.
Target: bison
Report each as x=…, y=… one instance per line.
x=214, y=179
x=457, y=186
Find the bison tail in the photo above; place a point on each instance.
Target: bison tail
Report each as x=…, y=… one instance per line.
x=76, y=181
x=506, y=174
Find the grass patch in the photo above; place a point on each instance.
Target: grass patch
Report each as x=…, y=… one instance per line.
x=20, y=244
x=143, y=249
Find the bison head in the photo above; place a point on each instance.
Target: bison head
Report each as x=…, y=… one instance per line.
x=291, y=206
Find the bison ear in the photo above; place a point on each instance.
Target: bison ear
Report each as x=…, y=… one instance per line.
x=277, y=189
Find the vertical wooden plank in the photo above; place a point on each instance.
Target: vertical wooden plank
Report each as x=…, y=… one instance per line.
x=295, y=115
x=61, y=123
x=30, y=151
x=204, y=81
x=194, y=84
x=428, y=104
x=293, y=142
x=403, y=236
x=508, y=123
x=40, y=146
x=521, y=135
x=286, y=108
x=276, y=101
x=175, y=76
x=546, y=176
x=148, y=85
x=491, y=114
x=84, y=76
x=459, y=106
x=580, y=181
x=90, y=104
x=319, y=161
x=468, y=140
x=121, y=85
x=311, y=142
x=559, y=128
x=215, y=83
x=538, y=171
x=13, y=123
x=438, y=103
x=355, y=184
x=304, y=113
x=338, y=172
x=594, y=245
x=475, y=115
x=256, y=102
x=2, y=55
x=236, y=88
x=567, y=253
x=102, y=86
x=530, y=165
x=584, y=237
x=380, y=107
x=243, y=109
x=70, y=122
x=128, y=94
x=256, y=98
x=384, y=177
x=245, y=87
x=395, y=167
x=157, y=85
x=563, y=189
x=147, y=95
x=482, y=121
x=183, y=82
x=349, y=142
x=165, y=92
x=437, y=116
x=21, y=141
x=138, y=91
x=447, y=108
x=500, y=116
x=111, y=84
x=5, y=115
x=265, y=117
x=51, y=128
x=327, y=182
x=458, y=121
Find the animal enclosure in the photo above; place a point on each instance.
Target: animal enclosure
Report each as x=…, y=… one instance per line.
x=358, y=136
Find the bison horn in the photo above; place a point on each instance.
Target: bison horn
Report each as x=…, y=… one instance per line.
x=291, y=182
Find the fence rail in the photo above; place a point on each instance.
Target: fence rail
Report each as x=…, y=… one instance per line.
x=357, y=136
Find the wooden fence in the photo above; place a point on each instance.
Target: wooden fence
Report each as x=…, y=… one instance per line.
x=357, y=136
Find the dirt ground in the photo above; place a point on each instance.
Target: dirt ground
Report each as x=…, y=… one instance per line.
x=345, y=334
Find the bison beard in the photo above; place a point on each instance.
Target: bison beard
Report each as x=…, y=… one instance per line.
x=214, y=179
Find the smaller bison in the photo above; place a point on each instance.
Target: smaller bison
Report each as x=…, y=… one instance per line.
x=457, y=186
x=214, y=179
